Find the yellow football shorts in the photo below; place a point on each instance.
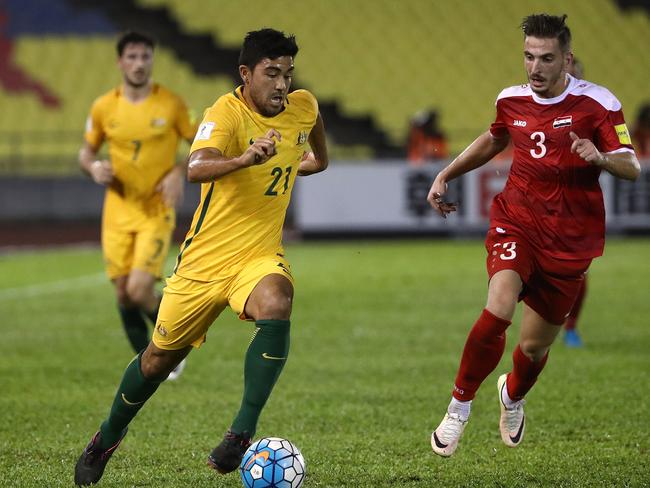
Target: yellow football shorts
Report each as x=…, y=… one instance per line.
x=189, y=307
x=143, y=245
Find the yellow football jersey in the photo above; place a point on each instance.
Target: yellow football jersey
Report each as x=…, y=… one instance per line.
x=142, y=138
x=240, y=215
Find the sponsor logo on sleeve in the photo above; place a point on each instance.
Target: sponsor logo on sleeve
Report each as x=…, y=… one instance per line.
x=89, y=124
x=560, y=122
x=204, y=132
x=623, y=134
x=302, y=138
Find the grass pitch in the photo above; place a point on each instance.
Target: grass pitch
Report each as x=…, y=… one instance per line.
x=378, y=329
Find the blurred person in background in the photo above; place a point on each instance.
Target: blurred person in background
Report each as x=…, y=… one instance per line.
x=576, y=68
x=546, y=225
x=571, y=335
x=247, y=153
x=426, y=140
x=641, y=131
x=142, y=123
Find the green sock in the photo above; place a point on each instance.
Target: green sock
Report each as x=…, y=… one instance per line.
x=265, y=359
x=133, y=392
x=135, y=327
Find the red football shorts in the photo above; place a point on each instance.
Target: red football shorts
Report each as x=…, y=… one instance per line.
x=551, y=285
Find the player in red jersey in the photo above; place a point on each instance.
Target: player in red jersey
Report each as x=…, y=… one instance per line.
x=545, y=226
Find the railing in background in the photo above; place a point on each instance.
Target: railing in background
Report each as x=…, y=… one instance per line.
x=391, y=197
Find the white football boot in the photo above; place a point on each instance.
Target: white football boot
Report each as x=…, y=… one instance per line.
x=176, y=372
x=513, y=421
x=444, y=440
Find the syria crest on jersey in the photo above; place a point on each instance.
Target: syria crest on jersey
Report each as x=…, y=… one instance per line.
x=302, y=138
x=560, y=122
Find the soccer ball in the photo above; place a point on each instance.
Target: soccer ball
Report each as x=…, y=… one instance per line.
x=272, y=462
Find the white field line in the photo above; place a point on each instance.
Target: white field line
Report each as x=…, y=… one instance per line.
x=31, y=291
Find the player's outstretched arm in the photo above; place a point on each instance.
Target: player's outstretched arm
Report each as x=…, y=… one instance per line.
x=101, y=171
x=317, y=159
x=622, y=164
x=209, y=163
x=479, y=152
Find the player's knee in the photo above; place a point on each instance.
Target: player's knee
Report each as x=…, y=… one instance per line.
x=502, y=305
x=156, y=364
x=137, y=294
x=122, y=295
x=533, y=349
x=274, y=306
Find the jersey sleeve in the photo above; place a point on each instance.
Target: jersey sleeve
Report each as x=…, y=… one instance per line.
x=218, y=127
x=94, y=134
x=612, y=134
x=185, y=122
x=499, y=129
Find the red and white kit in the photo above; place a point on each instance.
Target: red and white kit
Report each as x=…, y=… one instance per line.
x=549, y=221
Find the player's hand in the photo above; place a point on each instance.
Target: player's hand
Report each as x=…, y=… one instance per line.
x=435, y=198
x=172, y=187
x=586, y=150
x=102, y=172
x=262, y=149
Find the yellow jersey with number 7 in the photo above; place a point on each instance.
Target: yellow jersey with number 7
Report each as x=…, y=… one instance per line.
x=240, y=215
x=142, y=139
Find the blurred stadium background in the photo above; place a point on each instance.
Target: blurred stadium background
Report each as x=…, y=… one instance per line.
x=372, y=64
x=379, y=326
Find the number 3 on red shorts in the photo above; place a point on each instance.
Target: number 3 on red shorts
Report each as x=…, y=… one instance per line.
x=508, y=250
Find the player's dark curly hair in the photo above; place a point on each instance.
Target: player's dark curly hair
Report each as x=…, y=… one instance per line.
x=133, y=37
x=547, y=26
x=266, y=43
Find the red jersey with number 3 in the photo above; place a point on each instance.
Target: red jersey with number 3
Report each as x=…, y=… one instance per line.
x=552, y=195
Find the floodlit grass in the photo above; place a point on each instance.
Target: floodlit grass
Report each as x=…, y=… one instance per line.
x=378, y=329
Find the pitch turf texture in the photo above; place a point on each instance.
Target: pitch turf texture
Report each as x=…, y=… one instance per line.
x=378, y=329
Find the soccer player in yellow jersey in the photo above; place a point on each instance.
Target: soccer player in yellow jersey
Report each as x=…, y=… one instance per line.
x=142, y=122
x=247, y=153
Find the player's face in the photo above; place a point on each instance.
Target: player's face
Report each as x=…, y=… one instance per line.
x=268, y=84
x=546, y=66
x=136, y=64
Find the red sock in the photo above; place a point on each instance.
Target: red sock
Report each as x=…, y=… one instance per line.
x=572, y=319
x=483, y=350
x=524, y=374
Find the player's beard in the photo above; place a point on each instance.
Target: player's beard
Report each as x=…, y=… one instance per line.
x=135, y=84
x=266, y=110
x=551, y=82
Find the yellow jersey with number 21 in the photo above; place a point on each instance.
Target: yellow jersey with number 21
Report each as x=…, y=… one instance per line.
x=240, y=215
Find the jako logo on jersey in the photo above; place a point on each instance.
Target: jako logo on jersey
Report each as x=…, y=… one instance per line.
x=302, y=138
x=562, y=121
x=519, y=123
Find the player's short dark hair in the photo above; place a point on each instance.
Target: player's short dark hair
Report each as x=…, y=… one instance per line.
x=266, y=43
x=133, y=37
x=547, y=26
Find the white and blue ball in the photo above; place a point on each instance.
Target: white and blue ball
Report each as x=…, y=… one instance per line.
x=272, y=462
